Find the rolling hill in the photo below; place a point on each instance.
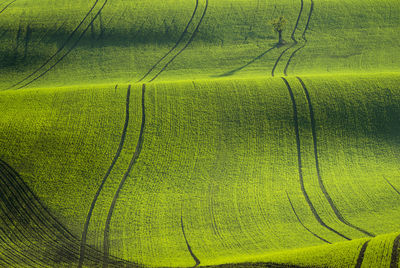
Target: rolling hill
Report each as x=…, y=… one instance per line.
x=177, y=133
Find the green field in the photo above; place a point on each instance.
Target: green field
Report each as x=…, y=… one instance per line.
x=177, y=133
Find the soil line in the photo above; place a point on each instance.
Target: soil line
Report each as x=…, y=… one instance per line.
x=186, y=45
x=60, y=49
x=320, y=181
x=106, y=242
x=297, y=133
x=394, y=262
x=303, y=37
x=176, y=44
x=361, y=255
x=117, y=154
x=9, y=4
x=188, y=245
x=292, y=37
x=298, y=219
x=69, y=50
x=391, y=185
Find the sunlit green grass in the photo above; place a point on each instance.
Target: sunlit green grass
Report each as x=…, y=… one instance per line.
x=219, y=163
x=129, y=37
x=221, y=154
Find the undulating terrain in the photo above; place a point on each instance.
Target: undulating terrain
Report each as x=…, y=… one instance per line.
x=179, y=133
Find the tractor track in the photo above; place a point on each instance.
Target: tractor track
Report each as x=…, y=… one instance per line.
x=176, y=44
x=248, y=63
x=100, y=188
x=44, y=231
x=69, y=50
x=15, y=216
x=48, y=232
x=186, y=45
x=300, y=167
x=391, y=185
x=106, y=241
x=20, y=201
x=339, y=216
x=187, y=243
x=302, y=224
x=361, y=254
x=394, y=261
x=292, y=37
x=60, y=49
x=28, y=216
x=9, y=4
x=303, y=36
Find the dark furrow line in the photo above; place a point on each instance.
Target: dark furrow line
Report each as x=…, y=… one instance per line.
x=394, y=261
x=248, y=63
x=6, y=224
x=292, y=37
x=307, y=198
x=176, y=44
x=4, y=261
x=186, y=45
x=305, y=227
x=69, y=50
x=37, y=205
x=21, y=199
x=106, y=242
x=303, y=37
x=60, y=49
x=5, y=247
x=15, y=216
x=391, y=185
x=7, y=6
x=55, y=226
x=100, y=188
x=361, y=255
x=17, y=255
x=320, y=181
x=188, y=245
x=30, y=219
x=64, y=237
x=41, y=220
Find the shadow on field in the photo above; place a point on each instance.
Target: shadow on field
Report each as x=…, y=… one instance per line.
x=31, y=236
x=232, y=72
x=257, y=264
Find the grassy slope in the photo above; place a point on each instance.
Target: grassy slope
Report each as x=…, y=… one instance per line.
x=222, y=153
x=123, y=43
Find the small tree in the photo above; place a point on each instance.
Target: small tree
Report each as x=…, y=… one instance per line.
x=279, y=25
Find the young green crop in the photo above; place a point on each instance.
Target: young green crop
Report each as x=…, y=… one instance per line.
x=127, y=38
x=221, y=156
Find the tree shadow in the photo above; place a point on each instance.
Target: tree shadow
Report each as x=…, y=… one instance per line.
x=232, y=72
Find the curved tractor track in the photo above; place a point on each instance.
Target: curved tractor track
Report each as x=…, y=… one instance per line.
x=139, y=145
x=338, y=215
x=292, y=37
x=100, y=188
x=69, y=50
x=300, y=165
x=9, y=4
x=32, y=236
x=176, y=44
x=303, y=36
x=394, y=261
x=193, y=35
x=302, y=224
x=188, y=245
x=360, y=258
